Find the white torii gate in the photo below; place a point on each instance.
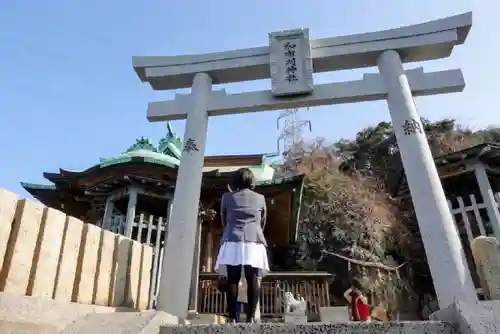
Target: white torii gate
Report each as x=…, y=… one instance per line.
x=290, y=60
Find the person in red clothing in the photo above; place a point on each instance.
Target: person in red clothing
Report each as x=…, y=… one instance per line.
x=360, y=310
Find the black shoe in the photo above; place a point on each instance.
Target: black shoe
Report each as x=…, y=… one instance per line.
x=250, y=320
x=231, y=321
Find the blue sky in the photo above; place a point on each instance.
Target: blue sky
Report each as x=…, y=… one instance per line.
x=69, y=94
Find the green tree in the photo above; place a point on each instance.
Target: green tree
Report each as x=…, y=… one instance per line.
x=349, y=214
x=348, y=209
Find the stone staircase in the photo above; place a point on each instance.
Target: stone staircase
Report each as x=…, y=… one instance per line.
x=22, y=314
x=411, y=327
x=428, y=327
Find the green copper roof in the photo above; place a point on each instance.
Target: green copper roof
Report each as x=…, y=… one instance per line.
x=38, y=186
x=278, y=181
x=167, y=152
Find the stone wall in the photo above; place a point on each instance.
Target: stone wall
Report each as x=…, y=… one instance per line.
x=44, y=253
x=486, y=253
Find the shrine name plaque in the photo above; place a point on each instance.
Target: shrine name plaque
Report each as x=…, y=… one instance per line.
x=290, y=63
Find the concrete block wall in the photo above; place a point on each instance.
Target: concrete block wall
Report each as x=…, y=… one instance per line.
x=44, y=253
x=486, y=253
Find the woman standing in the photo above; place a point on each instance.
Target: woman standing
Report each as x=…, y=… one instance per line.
x=360, y=310
x=243, y=249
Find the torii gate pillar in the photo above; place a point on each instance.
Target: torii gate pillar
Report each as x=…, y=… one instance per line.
x=439, y=234
x=178, y=252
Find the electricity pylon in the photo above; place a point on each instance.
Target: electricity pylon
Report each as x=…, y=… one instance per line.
x=292, y=132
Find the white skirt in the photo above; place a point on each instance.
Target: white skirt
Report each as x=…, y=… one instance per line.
x=242, y=253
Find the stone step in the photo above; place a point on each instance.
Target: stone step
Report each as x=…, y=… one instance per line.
x=12, y=327
x=148, y=322
x=207, y=319
x=43, y=311
x=409, y=327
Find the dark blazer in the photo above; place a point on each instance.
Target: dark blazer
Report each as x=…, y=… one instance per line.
x=243, y=214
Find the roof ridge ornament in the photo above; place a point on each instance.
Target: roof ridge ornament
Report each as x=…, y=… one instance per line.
x=170, y=131
x=142, y=144
x=171, y=144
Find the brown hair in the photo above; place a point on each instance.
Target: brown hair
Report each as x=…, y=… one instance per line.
x=243, y=178
x=356, y=284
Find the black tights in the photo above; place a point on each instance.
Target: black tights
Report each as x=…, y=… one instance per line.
x=253, y=289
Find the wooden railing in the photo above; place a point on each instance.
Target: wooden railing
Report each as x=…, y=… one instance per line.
x=472, y=220
x=313, y=286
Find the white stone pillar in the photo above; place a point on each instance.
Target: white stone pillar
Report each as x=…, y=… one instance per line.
x=195, y=275
x=108, y=212
x=449, y=269
x=132, y=203
x=488, y=197
x=209, y=244
x=178, y=255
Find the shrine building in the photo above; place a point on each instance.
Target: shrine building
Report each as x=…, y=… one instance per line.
x=131, y=194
